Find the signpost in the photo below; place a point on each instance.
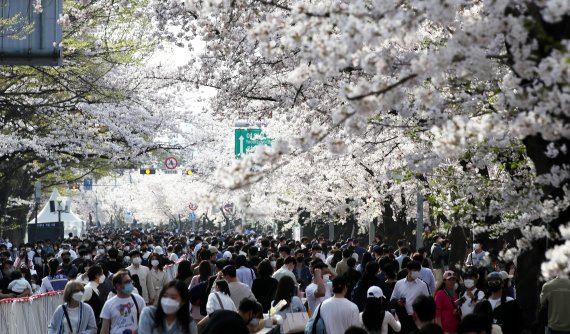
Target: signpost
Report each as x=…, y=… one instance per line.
x=171, y=163
x=248, y=138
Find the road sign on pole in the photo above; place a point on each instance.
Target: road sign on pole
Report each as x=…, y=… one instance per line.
x=248, y=138
x=170, y=163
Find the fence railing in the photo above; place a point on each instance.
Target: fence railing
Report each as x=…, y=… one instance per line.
x=29, y=314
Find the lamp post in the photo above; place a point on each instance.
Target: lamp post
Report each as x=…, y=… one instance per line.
x=59, y=209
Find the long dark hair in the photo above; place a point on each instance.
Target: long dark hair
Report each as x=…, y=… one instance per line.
x=369, y=276
x=204, y=270
x=182, y=315
x=285, y=290
x=373, y=314
x=184, y=270
x=223, y=286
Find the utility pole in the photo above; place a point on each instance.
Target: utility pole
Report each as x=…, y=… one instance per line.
x=420, y=221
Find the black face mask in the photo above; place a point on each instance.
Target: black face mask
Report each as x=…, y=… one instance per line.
x=495, y=287
x=66, y=260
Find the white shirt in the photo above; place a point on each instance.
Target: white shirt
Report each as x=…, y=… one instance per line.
x=142, y=272
x=409, y=290
x=496, y=302
x=468, y=306
x=245, y=275
x=213, y=303
x=122, y=313
x=339, y=314
x=388, y=320
x=284, y=271
x=73, y=314
x=240, y=291
x=89, y=289
x=314, y=301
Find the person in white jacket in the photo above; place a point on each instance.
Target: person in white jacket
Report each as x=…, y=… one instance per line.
x=220, y=298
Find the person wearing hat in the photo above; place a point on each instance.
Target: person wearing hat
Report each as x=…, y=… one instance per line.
x=506, y=310
x=472, y=295
x=447, y=311
x=339, y=313
x=140, y=273
x=374, y=307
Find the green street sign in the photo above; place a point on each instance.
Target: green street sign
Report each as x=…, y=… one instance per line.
x=248, y=138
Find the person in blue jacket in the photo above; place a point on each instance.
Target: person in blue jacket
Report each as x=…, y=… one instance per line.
x=73, y=316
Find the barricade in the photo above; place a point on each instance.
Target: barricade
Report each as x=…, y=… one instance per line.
x=30, y=314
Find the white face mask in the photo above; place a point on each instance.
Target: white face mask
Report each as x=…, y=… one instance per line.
x=415, y=274
x=273, y=263
x=469, y=283
x=169, y=306
x=77, y=296
x=100, y=251
x=101, y=279
x=456, y=286
x=137, y=260
x=87, y=257
x=475, y=246
x=326, y=277
x=254, y=322
x=154, y=263
x=127, y=248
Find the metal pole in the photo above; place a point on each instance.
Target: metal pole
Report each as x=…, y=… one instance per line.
x=372, y=232
x=420, y=221
x=331, y=231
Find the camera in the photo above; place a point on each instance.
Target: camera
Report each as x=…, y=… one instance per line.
x=460, y=301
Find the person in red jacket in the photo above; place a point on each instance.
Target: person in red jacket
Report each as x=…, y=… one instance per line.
x=447, y=314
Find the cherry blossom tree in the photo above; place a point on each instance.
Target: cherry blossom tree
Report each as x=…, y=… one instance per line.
x=474, y=92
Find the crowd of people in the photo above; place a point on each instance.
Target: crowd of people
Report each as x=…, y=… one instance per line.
x=115, y=281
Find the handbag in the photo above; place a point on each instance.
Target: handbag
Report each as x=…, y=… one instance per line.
x=295, y=322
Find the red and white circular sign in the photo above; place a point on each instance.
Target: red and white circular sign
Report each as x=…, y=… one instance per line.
x=171, y=163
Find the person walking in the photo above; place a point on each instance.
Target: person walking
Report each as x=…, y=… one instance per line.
x=73, y=316
x=406, y=291
x=339, y=313
x=555, y=295
x=220, y=298
x=286, y=291
x=264, y=286
x=121, y=313
x=374, y=307
x=91, y=295
x=447, y=312
x=156, y=279
x=170, y=315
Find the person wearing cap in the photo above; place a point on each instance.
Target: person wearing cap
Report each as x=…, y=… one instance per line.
x=375, y=306
x=472, y=294
x=135, y=269
x=339, y=313
x=505, y=309
x=447, y=311
x=555, y=295
x=318, y=290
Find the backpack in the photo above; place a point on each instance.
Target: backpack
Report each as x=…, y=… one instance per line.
x=316, y=325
